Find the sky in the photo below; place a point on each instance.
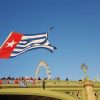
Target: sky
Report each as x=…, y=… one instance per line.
x=76, y=34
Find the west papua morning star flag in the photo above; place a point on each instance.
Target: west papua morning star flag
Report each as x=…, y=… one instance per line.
x=17, y=43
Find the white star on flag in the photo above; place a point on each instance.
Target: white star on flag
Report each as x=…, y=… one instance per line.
x=11, y=44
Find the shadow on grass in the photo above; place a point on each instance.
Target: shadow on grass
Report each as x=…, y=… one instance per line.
x=25, y=97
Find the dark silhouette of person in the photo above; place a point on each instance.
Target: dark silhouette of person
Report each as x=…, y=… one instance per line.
x=43, y=85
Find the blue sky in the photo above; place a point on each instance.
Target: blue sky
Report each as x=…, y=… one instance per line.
x=76, y=35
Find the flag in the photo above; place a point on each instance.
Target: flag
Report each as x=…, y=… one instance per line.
x=17, y=43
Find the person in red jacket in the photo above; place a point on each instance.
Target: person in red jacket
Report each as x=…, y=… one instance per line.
x=0, y=81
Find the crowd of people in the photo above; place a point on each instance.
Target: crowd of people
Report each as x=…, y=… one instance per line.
x=18, y=80
x=12, y=80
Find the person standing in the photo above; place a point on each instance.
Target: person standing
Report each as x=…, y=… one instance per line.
x=43, y=84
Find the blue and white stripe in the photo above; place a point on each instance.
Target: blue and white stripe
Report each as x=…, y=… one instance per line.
x=32, y=41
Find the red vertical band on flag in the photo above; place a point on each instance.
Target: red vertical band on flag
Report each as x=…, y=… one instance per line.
x=9, y=44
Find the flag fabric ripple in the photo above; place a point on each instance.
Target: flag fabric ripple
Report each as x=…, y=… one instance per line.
x=17, y=43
